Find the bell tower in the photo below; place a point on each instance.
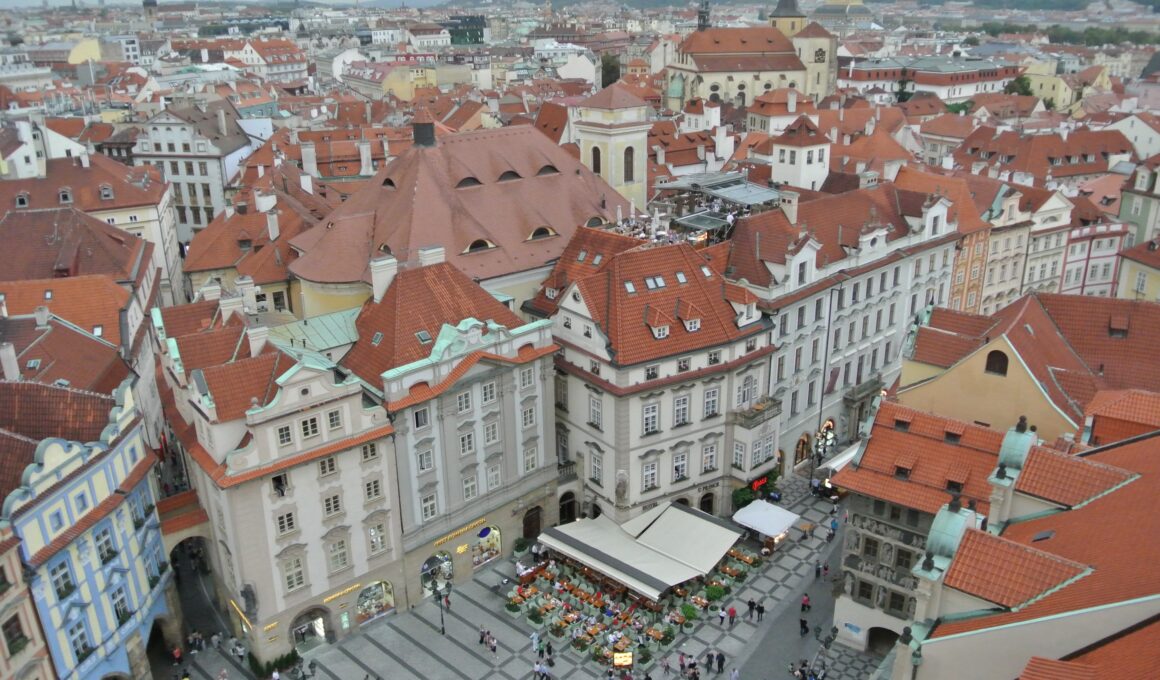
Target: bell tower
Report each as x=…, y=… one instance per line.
x=703, y=16
x=787, y=18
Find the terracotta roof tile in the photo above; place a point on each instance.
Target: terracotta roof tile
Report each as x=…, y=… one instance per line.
x=239, y=385
x=589, y=250
x=761, y=40
x=85, y=301
x=1036, y=154
x=1067, y=480
x=57, y=242
x=1027, y=572
x=615, y=96
x=60, y=351
x=212, y=348
x=1133, y=411
x=942, y=349
x=1039, y=668
x=194, y=317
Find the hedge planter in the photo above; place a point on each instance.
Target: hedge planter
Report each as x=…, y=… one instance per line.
x=513, y=610
x=687, y=627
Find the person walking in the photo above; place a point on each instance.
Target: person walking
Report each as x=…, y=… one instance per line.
x=549, y=649
x=818, y=569
x=734, y=675
x=666, y=667
x=482, y=635
x=493, y=645
x=681, y=662
x=535, y=637
x=536, y=672
x=825, y=571
x=732, y=616
x=761, y=610
x=721, y=614
x=805, y=626
x=541, y=649
x=752, y=605
x=720, y=662
x=805, y=602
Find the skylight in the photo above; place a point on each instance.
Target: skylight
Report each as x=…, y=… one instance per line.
x=583, y=254
x=654, y=282
x=376, y=339
x=423, y=336
x=629, y=286
x=707, y=272
x=597, y=258
x=681, y=277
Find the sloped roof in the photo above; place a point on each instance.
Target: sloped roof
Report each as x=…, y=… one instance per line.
x=492, y=187
x=1134, y=405
x=40, y=244
x=1027, y=572
x=239, y=385
x=588, y=251
x=60, y=351
x=962, y=211
x=552, y=120
x=615, y=96
x=1067, y=480
x=1129, y=654
x=1146, y=253
x=1034, y=154
x=950, y=125
x=756, y=40
x=84, y=301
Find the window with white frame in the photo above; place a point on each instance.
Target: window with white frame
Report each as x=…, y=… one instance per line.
x=428, y=507
x=683, y=364
x=680, y=466
x=62, y=580
x=121, y=604
x=78, y=639
x=105, y=549
x=746, y=392
x=327, y=466
x=332, y=505
x=494, y=478
x=463, y=402
x=650, y=418
x=712, y=402
x=285, y=523
x=739, y=455
x=528, y=417
x=338, y=557
x=426, y=460
x=422, y=418
x=595, y=411
x=681, y=410
x=490, y=433
x=488, y=392
x=309, y=427
x=527, y=377
x=470, y=487
x=284, y=436
x=467, y=443
x=376, y=538
x=709, y=457
x=373, y=489
x=714, y=357
x=334, y=419
x=293, y=573
x=596, y=468
x=648, y=476
x=370, y=451
x=531, y=459
x=652, y=372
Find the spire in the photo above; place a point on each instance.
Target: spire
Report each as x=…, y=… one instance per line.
x=787, y=8
x=703, y=16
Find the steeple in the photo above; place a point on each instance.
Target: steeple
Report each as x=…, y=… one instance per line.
x=787, y=18
x=703, y=16
x=787, y=8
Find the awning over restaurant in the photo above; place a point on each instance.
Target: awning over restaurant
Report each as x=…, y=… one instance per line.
x=660, y=549
x=765, y=518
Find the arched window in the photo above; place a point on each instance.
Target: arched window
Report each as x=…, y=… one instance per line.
x=596, y=159
x=629, y=157
x=594, y=222
x=509, y=176
x=542, y=232
x=478, y=245
x=468, y=182
x=996, y=362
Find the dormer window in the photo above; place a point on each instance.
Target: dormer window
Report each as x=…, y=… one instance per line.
x=901, y=472
x=65, y=196
x=660, y=332
x=692, y=325
x=106, y=192
x=22, y=200
x=551, y=293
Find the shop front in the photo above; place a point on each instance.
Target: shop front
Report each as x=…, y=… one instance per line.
x=374, y=601
x=486, y=547
x=437, y=571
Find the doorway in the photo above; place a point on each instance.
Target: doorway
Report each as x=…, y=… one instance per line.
x=567, y=508
x=708, y=501
x=533, y=520
x=310, y=629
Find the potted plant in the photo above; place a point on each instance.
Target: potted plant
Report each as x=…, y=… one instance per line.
x=536, y=619
x=513, y=609
x=668, y=636
x=644, y=658
x=580, y=644
x=520, y=547
x=714, y=593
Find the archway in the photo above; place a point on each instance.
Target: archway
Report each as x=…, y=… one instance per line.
x=708, y=501
x=567, y=508
x=880, y=641
x=310, y=629
x=594, y=511
x=436, y=571
x=682, y=501
x=487, y=546
x=377, y=599
x=801, y=450
x=532, y=521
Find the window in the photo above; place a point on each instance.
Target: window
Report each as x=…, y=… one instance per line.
x=428, y=507
x=463, y=402
x=426, y=460
x=870, y=548
x=747, y=392
x=327, y=466
x=105, y=549
x=708, y=457
x=78, y=639
x=493, y=477
x=309, y=427
x=370, y=451
x=596, y=468
x=651, y=372
x=488, y=392
x=332, y=505
x=681, y=410
x=714, y=357
x=650, y=419
x=377, y=538
x=467, y=443
x=293, y=574
x=648, y=476
x=528, y=417
x=470, y=487
x=491, y=433
x=683, y=364
x=285, y=523
x=14, y=633
x=82, y=502
x=422, y=418
x=62, y=581
x=680, y=466
x=628, y=164
x=373, y=490
x=595, y=412
x=996, y=363
x=596, y=160
x=781, y=362
x=527, y=376
x=712, y=402
x=739, y=455
x=531, y=459
x=797, y=359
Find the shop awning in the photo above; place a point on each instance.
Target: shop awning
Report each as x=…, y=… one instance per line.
x=765, y=518
x=695, y=538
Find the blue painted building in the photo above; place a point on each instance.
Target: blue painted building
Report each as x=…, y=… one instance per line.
x=78, y=491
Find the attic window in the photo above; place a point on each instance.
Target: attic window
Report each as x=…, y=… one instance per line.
x=547, y=170
x=707, y=272
x=376, y=339
x=468, y=182
x=681, y=277
x=954, y=487
x=106, y=192
x=65, y=196
x=98, y=330
x=693, y=325
x=582, y=254
x=509, y=176
x=389, y=183
x=952, y=437
x=48, y=294
x=542, y=232
x=1118, y=327
x=901, y=425
x=596, y=259
x=245, y=243
x=901, y=472
x=630, y=286
x=594, y=222
x=478, y=245
x=32, y=364
x=1043, y=535
x=424, y=337
x=21, y=200
x=661, y=332
x=654, y=282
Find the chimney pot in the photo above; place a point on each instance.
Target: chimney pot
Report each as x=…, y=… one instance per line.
x=42, y=315
x=383, y=272
x=430, y=255
x=9, y=365
x=272, y=229
x=257, y=336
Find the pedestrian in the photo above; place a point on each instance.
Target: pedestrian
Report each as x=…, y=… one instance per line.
x=825, y=571
x=752, y=604
x=720, y=662
x=721, y=614
x=709, y=659
x=818, y=569
x=177, y=655
x=447, y=602
x=494, y=646
x=666, y=667
x=834, y=525
x=805, y=626
x=734, y=675
x=806, y=602
x=761, y=610
x=549, y=652
x=681, y=662
x=732, y=616
x=275, y=675
x=540, y=650
x=223, y=674
x=216, y=640
x=536, y=672
x=482, y=635
x=535, y=636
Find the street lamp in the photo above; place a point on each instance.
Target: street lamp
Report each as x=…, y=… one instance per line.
x=442, y=594
x=823, y=442
x=824, y=438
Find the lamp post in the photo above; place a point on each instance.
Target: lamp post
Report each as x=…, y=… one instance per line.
x=823, y=441
x=442, y=594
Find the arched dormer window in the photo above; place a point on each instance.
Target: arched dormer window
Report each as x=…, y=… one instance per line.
x=596, y=159
x=996, y=362
x=389, y=183
x=594, y=222
x=542, y=232
x=478, y=245
x=468, y=182
x=509, y=176
x=629, y=163
x=547, y=170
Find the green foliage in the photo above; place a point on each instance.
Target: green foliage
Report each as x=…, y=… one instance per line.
x=971, y=41
x=512, y=607
x=1091, y=36
x=265, y=670
x=714, y=593
x=668, y=635
x=1049, y=103
x=742, y=497
x=535, y=617
x=609, y=69
x=962, y=107
x=644, y=655
x=690, y=612
x=520, y=544
x=1020, y=86
x=902, y=93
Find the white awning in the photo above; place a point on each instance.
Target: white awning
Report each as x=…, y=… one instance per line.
x=765, y=518
x=843, y=459
x=693, y=537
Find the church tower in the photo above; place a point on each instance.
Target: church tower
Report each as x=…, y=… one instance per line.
x=612, y=133
x=787, y=18
x=150, y=7
x=703, y=16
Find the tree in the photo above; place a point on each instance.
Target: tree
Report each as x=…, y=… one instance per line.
x=609, y=69
x=1021, y=86
x=961, y=108
x=1049, y=103
x=903, y=93
x=971, y=41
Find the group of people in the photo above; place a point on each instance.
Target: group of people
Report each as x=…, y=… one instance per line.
x=687, y=666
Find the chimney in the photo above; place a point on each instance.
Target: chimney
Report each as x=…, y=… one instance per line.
x=249, y=292
x=423, y=128
x=700, y=152
x=257, y=336
x=8, y=362
x=3, y=306
x=791, y=102
x=789, y=205
x=42, y=315
x=309, y=159
x=430, y=255
x=869, y=127
x=383, y=271
x=264, y=202
x=842, y=112
x=386, y=150
x=210, y=292
x=229, y=210
x=306, y=182
x=833, y=135
x=85, y=161
x=229, y=305
x=272, y=225
x=222, y=129
x=877, y=113
x=365, y=168
x=660, y=154
x=846, y=140
x=367, y=112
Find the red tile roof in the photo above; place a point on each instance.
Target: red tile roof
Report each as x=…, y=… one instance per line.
x=757, y=40
x=1066, y=480
x=963, y=211
x=1146, y=253
x=239, y=385
x=954, y=126
x=60, y=351
x=129, y=186
x=1119, y=414
x=615, y=96
x=1027, y=572
x=552, y=119
x=1040, y=155
x=84, y=301
x=59, y=242
x=589, y=251
x=1130, y=654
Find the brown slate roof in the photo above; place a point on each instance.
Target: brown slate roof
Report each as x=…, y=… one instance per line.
x=491, y=186
x=41, y=244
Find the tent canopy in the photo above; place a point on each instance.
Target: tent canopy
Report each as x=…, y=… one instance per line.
x=650, y=553
x=765, y=518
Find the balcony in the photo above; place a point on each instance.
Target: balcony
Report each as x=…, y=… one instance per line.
x=566, y=472
x=760, y=412
x=869, y=386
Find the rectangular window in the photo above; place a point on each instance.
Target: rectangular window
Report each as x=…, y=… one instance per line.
x=680, y=466
x=14, y=633
x=373, y=490
x=528, y=417
x=470, y=487
x=327, y=466
x=426, y=460
x=491, y=433
x=739, y=455
x=681, y=410
x=781, y=367
x=338, y=556
x=712, y=402
x=648, y=476
x=370, y=451
x=493, y=477
x=595, y=412
x=714, y=357
x=428, y=507
x=62, y=581
x=683, y=364
x=293, y=573
x=309, y=427
x=596, y=468
x=422, y=418
x=463, y=402
x=105, y=549
x=285, y=523
x=562, y=392
x=793, y=403
x=488, y=392
x=815, y=355
x=708, y=457
x=467, y=443
x=797, y=359
x=650, y=419
x=527, y=376
x=78, y=639
x=651, y=372
x=377, y=538
x=531, y=459
x=332, y=505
